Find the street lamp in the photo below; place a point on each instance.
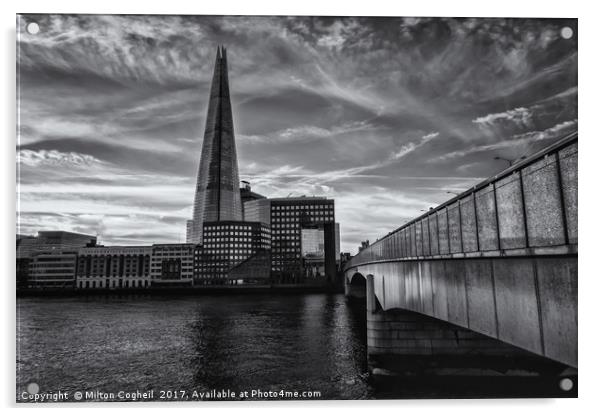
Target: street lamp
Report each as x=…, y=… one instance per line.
x=453, y=193
x=510, y=161
x=504, y=159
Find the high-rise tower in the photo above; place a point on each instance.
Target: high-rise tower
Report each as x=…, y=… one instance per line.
x=217, y=196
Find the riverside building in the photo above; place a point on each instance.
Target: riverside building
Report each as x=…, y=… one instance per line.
x=172, y=265
x=38, y=255
x=53, y=269
x=116, y=267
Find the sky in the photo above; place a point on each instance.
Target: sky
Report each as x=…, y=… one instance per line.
x=388, y=116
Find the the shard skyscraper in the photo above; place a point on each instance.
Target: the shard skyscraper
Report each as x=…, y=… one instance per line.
x=217, y=194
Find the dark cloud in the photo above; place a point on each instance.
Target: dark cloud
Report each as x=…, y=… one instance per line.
x=384, y=114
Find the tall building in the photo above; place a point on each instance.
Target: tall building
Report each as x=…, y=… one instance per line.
x=297, y=223
x=217, y=195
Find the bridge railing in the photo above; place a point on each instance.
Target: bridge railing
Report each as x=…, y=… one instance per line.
x=529, y=208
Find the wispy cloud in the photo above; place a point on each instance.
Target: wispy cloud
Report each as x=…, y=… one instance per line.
x=54, y=158
x=307, y=132
x=520, y=116
x=382, y=114
x=518, y=140
x=410, y=147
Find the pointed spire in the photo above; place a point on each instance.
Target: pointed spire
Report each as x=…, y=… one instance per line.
x=221, y=52
x=217, y=197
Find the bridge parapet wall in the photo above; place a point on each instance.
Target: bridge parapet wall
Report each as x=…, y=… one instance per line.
x=528, y=209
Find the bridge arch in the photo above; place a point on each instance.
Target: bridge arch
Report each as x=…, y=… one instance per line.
x=355, y=285
x=357, y=279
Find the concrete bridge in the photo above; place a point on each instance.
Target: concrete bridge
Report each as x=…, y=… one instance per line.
x=491, y=272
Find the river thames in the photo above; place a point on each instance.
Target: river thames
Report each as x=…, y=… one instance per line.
x=271, y=346
x=304, y=343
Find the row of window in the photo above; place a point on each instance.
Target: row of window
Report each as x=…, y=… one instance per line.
x=292, y=218
x=231, y=245
x=172, y=251
x=81, y=275
x=160, y=249
x=228, y=227
x=183, y=260
x=222, y=243
x=112, y=255
x=228, y=233
x=114, y=265
x=54, y=259
x=232, y=237
x=40, y=271
x=113, y=269
x=113, y=284
x=287, y=234
x=277, y=257
x=36, y=265
x=227, y=250
x=158, y=267
x=298, y=207
x=283, y=215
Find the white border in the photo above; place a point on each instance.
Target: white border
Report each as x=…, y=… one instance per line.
x=589, y=172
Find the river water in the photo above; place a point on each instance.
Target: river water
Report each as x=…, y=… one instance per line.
x=267, y=343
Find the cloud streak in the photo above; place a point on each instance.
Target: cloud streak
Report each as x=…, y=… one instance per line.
x=410, y=147
x=520, y=116
x=519, y=140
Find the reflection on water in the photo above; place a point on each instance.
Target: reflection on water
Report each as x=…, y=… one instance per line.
x=238, y=342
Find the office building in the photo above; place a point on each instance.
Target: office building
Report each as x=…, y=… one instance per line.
x=52, y=269
x=27, y=247
x=52, y=240
x=227, y=244
x=291, y=220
